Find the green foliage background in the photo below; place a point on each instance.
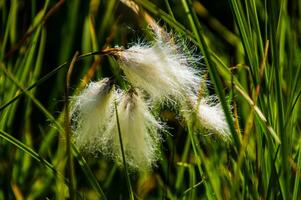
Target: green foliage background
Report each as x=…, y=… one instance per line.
x=252, y=54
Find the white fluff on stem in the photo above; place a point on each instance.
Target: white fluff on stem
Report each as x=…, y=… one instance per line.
x=91, y=111
x=212, y=117
x=160, y=69
x=139, y=132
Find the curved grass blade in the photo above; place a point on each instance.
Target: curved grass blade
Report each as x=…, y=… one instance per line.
x=70, y=164
x=225, y=72
x=196, y=38
x=223, y=69
x=197, y=30
x=31, y=152
x=190, y=189
x=46, y=77
x=87, y=171
x=167, y=18
x=93, y=181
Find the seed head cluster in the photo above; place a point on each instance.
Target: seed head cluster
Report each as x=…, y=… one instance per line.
x=91, y=111
x=157, y=72
x=139, y=132
x=212, y=117
x=160, y=69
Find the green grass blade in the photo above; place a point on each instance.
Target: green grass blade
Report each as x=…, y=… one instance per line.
x=43, y=79
x=7, y=137
x=87, y=171
x=197, y=30
x=79, y=158
x=131, y=194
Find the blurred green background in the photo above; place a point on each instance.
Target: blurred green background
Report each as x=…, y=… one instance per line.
x=251, y=53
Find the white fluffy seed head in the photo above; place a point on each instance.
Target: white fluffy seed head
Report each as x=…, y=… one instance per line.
x=212, y=117
x=139, y=132
x=90, y=113
x=160, y=69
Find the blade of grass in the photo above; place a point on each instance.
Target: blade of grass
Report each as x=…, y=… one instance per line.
x=40, y=19
x=8, y=27
x=169, y=9
x=199, y=156
x=277, y=52
x=219, y=63
x=80, y=159
x=244, y=31
x=88, y=172
x=131, y=194
x=191, y=188
x=215, y=24
x=237, y=86
x=167, y=18
x=18, y=144
x=45, y=78
x=296, y=191
x=180, y=172
x=70, y=164
x=197, y=30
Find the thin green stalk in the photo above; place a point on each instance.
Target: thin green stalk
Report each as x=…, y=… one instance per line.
x=169, y=9
x=30, y=152
x=131, y=194
x=167, y=18
x=223, y=68
x=70, y=164
x=46, y=77
x=180, y=172
x=199, y=158
x=191, y=188
x=194, y=23
x=77, y=155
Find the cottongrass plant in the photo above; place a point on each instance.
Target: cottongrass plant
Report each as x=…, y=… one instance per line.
x=160, y=68
x=212, y=117
x=166, y=74
x=139, y=132
x=95, y=126
x=91, y=111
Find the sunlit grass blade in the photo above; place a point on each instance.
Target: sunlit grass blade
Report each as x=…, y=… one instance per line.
x=194, y=187
x=197, y=30
x=44, y=78
x=67, y=126
x=79, y=158
x=30, y=152
x=167, y=18
x=246, y=52
x=87, y=171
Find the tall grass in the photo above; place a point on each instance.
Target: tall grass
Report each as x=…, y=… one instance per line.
x=251, y=54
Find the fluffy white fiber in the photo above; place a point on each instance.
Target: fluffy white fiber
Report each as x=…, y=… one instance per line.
x=165, y=73
x=139, y=132
x=212, y=117
x=91, y=111
x=160, y=69
x=95, y=125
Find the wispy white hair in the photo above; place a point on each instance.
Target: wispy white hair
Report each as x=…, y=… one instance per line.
x=91, y=111
x=212, y=117
x=139, y=132
x=160, y=68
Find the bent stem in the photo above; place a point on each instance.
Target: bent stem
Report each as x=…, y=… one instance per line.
x=70, y=164
x=104, y=52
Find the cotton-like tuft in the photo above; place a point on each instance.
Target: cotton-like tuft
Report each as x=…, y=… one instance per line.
x=161, y=69
x=139, y=132
x=90, y=113
x=212, y=117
